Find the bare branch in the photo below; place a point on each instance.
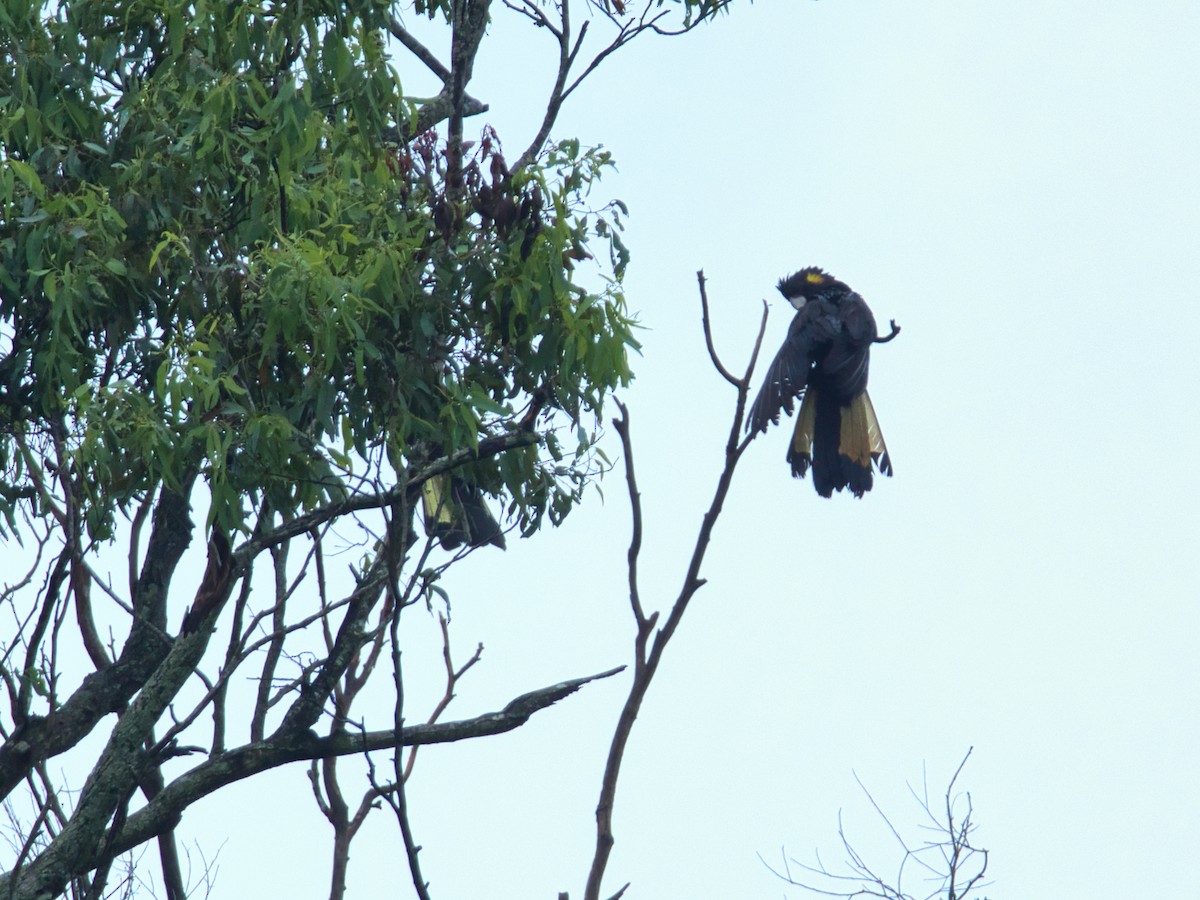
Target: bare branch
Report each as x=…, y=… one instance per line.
x=744, y=395
x=708, y=12
x=452, y=678
x=419, y=50
x=258, y=720
x=487, y=448
x=647, y=658
x=635, y=541
x=708, y=338
x=110, y=689
x=250, y=759
x=626, y=34
x=563, y=36
x=569, y=50
x=535, y=14
x=397, y=798
x=958, y=867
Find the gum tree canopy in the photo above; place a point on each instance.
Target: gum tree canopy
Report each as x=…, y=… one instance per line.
x=245, y=277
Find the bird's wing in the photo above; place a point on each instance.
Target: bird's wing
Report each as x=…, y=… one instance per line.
x=481, y=526
x=857, y=321
x=845, y=367
x=809, y=334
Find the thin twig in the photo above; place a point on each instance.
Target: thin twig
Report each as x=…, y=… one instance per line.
x=955, y=849
x=635, y=540
x=397, y=798
x=563, y=37
x=486, y=448
x=708, y=338
x=452, y=677
x=647, y=655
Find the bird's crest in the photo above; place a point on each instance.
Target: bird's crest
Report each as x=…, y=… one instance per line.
x=803, y=282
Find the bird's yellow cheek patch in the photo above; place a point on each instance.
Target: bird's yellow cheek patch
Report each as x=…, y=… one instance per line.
x=815, y=278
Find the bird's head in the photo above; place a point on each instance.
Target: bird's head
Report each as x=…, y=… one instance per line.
x=810, y=284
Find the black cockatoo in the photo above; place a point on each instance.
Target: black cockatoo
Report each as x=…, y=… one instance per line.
x=456, y=514
x=824, y=360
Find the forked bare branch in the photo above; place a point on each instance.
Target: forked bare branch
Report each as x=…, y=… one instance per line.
x=648, y=653
x=951, y=863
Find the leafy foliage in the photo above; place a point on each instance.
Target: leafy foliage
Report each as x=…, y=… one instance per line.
x=212, y=260
x=241, y=268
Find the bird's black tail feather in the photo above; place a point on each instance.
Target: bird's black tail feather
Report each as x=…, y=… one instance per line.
x=456, y=514
x=841, y=444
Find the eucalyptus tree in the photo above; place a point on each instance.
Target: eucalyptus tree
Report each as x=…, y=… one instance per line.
x=252, y=289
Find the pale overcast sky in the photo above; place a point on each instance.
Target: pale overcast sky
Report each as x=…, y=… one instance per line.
x=1017, y=184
